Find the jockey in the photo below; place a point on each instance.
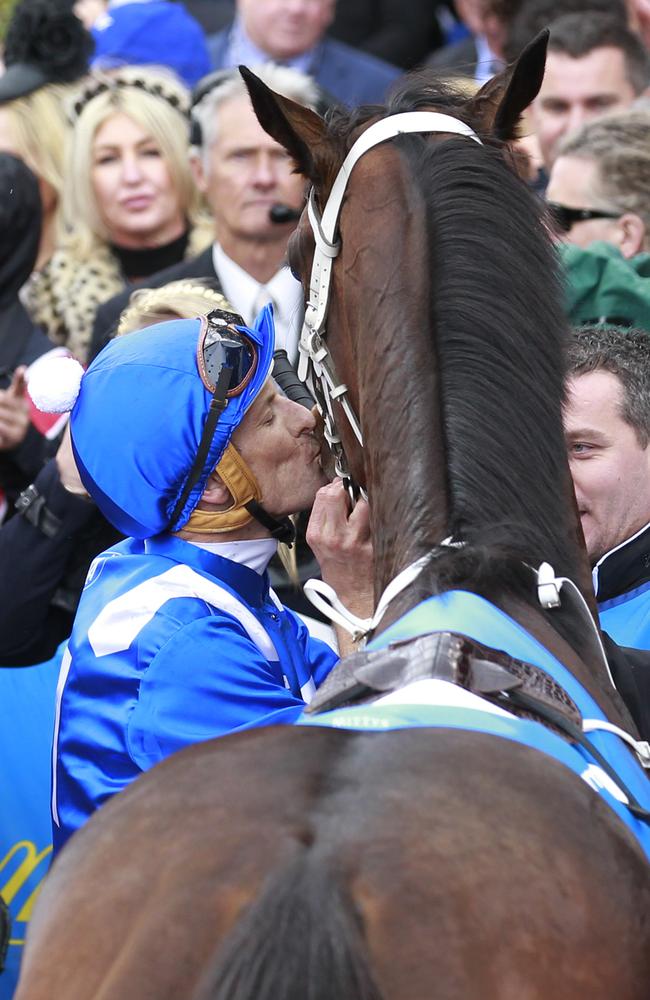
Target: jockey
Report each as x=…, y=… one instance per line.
x=185, y=444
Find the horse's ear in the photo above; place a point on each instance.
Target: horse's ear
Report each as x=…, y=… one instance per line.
x=298, y=129
x=501, y=102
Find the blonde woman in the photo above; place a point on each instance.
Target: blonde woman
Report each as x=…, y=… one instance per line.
x=130, y=205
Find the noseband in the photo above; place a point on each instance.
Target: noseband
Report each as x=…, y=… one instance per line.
x=316, y=364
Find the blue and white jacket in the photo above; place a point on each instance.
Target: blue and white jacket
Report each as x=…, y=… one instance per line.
x=622, y=586
x=172, y=644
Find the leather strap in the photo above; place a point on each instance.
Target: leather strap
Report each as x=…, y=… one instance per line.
x=364, y=676
x=31, y=505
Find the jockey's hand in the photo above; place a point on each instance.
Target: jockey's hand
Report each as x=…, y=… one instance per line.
x=14, y=412
x=340, y=539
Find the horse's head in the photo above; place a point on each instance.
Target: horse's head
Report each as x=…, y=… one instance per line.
x=367, y=255
x=445, y=330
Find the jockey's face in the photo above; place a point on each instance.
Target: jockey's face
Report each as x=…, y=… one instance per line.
x=276, y=439
x=609, y=464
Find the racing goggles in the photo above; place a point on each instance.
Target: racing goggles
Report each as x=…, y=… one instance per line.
x=227, y=361
x=563, y=218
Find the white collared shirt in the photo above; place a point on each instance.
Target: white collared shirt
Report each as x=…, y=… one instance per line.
x=487, y=63
x=256, y=553
x=247, y=296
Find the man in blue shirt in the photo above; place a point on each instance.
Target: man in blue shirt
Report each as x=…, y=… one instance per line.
x=186, y=445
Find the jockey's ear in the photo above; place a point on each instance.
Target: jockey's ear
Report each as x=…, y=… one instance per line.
x=499, y=104
x=298, y=129
x=216, y=492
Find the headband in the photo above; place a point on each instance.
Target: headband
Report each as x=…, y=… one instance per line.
x=115, y=83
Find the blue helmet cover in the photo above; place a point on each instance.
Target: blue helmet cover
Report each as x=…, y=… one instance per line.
x=137, y=422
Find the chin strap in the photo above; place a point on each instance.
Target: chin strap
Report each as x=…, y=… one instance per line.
x=245, y=507
x=283, y=530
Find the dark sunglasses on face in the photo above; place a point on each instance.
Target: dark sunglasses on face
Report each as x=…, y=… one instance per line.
x=227, y=361
x=563, y=218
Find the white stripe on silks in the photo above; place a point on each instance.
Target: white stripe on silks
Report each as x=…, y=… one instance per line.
x=63, y=676
x=308, y=690
x=118, y=624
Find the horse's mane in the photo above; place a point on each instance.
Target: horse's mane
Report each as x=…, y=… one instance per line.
x=499, y=333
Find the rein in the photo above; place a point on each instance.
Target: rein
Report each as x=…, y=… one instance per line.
x=316, y=364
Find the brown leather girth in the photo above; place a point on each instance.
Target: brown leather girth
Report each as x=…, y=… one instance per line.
x=489, y=673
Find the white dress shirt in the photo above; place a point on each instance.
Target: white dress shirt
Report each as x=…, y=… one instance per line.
x=256, y=553
x=487, y=63
x=247, y=296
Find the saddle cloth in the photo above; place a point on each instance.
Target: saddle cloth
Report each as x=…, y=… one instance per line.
x=425, y=703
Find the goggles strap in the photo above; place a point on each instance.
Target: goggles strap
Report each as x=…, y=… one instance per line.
x=217, y=406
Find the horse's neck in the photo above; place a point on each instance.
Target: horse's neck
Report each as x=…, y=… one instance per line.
x=399, y=393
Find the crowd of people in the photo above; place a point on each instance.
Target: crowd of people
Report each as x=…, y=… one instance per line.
x=137, y=188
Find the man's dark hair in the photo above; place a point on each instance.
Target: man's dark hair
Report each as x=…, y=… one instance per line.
x=625, y=353
x=576, y=35
x=535, y=15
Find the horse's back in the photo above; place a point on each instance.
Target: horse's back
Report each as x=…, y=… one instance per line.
x=407, y=864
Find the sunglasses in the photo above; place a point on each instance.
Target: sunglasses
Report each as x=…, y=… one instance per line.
x=563, y=218
x=227, y=361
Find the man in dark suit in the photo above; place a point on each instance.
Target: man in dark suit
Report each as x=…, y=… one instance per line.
x=294, y=35
x=243, y=173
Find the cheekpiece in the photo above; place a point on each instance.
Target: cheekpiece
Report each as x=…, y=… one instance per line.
x=115, y=83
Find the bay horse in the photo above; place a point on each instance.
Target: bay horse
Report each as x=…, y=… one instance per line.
x=322, y=862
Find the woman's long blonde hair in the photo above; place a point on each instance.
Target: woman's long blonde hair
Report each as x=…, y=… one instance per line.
x=146, y=96
x=40, y=130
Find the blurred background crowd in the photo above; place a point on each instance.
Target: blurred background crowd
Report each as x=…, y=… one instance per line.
x=137, y=185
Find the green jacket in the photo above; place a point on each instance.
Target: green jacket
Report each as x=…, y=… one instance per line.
x=603, y=287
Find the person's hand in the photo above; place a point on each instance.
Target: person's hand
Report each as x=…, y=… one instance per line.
x=14, y=412
x=68, y=473
x=340, y=539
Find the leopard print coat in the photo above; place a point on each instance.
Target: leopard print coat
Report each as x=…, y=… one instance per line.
x=64, y=296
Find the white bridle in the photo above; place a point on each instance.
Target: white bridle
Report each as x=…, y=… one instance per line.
x=315, y=364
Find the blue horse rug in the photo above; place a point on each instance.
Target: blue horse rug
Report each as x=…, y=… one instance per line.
x=472, y=616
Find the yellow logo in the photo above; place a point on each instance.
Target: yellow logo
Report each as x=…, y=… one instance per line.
x=25, y=868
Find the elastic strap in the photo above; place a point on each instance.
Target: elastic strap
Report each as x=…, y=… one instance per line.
x=217, y=406
x=283, y=530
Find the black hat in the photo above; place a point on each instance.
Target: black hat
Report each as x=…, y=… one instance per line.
x=45, y=43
